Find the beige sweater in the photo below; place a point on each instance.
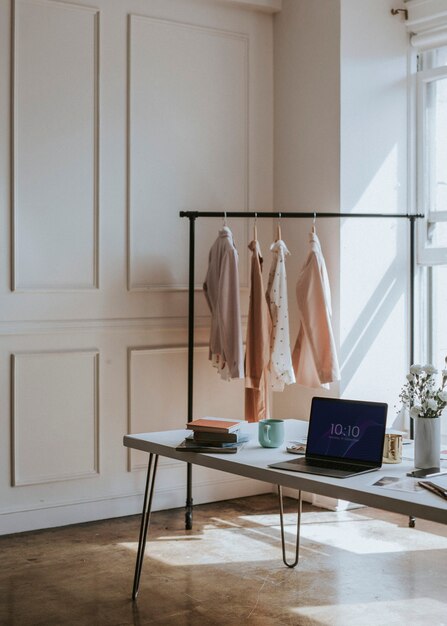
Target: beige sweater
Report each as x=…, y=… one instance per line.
x=221, y=289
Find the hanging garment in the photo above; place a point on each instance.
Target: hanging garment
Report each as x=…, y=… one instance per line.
x=221, y=289
x=280, y=365
x=314, y=356
x=257, y=352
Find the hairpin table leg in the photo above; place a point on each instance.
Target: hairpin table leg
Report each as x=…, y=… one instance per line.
x=189, y=501
x=145, y=519
x=298, y=523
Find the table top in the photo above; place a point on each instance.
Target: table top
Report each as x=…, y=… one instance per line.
x=252, y=460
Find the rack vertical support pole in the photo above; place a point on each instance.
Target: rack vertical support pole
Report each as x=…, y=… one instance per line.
x=189, y=500
x=412, y=278
x=412, y=519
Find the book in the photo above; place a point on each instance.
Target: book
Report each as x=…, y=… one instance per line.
x=192, y=441
x=213, y=425
x=188, y=445
x=212, y=437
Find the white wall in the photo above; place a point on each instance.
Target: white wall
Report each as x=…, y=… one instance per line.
x=123, y=115
x=307, y=149
x=340, y=143
x=374, y=257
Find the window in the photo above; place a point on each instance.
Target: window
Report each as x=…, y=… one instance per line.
x=432, y=198
x=432, y=156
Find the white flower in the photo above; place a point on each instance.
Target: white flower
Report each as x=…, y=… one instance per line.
x=420, y=394
x=415, y=410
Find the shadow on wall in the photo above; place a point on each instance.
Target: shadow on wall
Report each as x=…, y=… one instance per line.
x=370, y=322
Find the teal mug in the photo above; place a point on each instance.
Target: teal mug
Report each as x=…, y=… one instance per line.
x=271, y=433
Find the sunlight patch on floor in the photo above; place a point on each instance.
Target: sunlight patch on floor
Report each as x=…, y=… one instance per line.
x=414, y=611
x=214, y=546
x=254, y=538
x=354, y=532
x=375, y=537
x=129, y=545
x=311, y=517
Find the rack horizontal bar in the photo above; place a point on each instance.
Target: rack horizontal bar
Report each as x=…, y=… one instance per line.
x=295, y=215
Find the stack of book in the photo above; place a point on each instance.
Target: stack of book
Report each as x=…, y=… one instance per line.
x=213, y=435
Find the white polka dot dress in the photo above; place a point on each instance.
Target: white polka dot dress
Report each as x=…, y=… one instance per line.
x=280, y=365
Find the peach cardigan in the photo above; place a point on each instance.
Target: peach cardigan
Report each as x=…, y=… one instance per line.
x=257, y=354
x=314, y=356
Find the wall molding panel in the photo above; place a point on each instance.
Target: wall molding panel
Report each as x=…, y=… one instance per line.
x=114, y=117
x=203, y=145
x=54, y=416
x=149, y=384
x=55, y=146
x=268, y=6
x=140, y=390
x=22, y=327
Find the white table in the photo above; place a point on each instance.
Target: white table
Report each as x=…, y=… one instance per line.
x=252, y=461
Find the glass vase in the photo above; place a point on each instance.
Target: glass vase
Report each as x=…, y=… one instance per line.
x=427, y=442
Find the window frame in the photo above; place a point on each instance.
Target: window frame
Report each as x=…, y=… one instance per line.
x=427, y=30
x=426, y=254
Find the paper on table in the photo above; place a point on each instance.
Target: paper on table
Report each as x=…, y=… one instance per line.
x=398, y=483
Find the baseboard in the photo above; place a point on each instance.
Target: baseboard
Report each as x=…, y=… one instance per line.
x=66, y=513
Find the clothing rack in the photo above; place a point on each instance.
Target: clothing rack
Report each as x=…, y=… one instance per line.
x=194, y=215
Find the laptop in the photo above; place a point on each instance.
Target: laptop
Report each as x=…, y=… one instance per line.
x=345, y=438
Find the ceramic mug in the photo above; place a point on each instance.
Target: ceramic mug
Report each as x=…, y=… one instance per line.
x=392, y=448
x=271, y=433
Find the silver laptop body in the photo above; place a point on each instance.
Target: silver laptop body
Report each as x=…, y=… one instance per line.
x=345, y=438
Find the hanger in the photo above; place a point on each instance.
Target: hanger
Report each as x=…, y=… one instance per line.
x=255, y=228
x=225, y=218
x=313, y=223
x=278, y=228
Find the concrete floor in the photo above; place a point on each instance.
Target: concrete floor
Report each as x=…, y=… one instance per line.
x=362, y=567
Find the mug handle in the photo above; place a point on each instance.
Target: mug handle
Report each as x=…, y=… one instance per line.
x=266, y=432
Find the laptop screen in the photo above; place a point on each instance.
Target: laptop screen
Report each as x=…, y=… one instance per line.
x=347, y=430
